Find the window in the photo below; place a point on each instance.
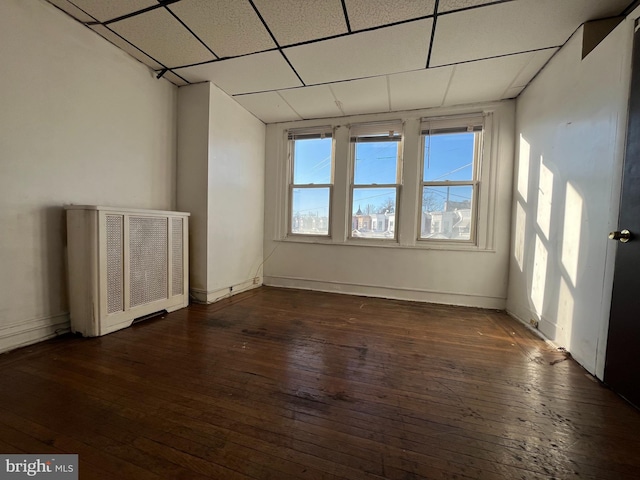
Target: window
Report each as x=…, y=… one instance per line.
x=376, y=172
x=311, y=181
x=450, y=178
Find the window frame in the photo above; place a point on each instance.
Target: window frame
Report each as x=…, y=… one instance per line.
x=373, y=130
x=308, y=134
x=447, y=125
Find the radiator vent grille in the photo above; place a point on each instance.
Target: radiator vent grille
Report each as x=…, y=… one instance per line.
x=115, y=285
x=177, y=279
x=148, y=259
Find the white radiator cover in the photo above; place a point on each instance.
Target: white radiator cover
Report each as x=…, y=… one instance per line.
x=124, y=264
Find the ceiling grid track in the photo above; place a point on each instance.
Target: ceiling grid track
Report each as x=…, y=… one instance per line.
x=290, y=106
x=253, y=5
x=164, y=67
x=433, y=33
x=362, y=56
x=474, y=7
x=190, y=31
x=134, y=14
x=346, y=15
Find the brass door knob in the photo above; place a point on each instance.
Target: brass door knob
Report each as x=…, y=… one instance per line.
x=623, y=236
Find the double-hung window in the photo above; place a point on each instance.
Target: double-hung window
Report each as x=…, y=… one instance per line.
x=376, y=173
x=452, y=153
x=311, y=181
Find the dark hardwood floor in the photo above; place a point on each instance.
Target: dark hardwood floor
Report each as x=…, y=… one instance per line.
x=287, y=384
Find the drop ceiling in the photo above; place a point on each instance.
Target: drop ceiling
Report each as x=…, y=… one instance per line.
x=289, y=60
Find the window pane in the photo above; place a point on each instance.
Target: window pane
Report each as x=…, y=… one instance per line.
x=448, y=157
x=447, y=212
x=312, y=161
x=373, y=213
x=376, y=162
x=310, y=211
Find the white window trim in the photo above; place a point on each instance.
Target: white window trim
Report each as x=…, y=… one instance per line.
x=303, y=132
x=407, y=226
x=439, y=124
x=362, y=129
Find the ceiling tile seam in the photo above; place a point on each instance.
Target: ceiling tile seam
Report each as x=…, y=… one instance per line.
x=161, y=4
x=264, y=23
x=180, y=76
x=223, y=59
x=522, y=69
x=498, y=56
x=446, y=92
x=346, y=15
x=290, y=106
x=336, y=101
x=292, y=68
x=388, y=92
x=218, y=59
x=335, y=82
x=81, y=9
x=433, y=33
x=541, y=69
x=355, y=32
x=190, y=31
x=394, y=73
x=475, y=7
x=273, y=37
x=134, y=46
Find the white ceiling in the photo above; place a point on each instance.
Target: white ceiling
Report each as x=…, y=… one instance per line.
x=298, y=59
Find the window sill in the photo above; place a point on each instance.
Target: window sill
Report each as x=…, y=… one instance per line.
x=418, y=245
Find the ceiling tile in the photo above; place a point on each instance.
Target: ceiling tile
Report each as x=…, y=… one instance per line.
x=228, y=27
x=448, y=5
x=175, y=79
x=108, y=10
x=268, y=107
x=387, y=50
x=538, y=60
x=512, y=27
x=122, y=44
x=369, y=95
x=312, y=102
x=295, y=21
x=372, y=13
x=485, y=80
x=72, y=10
x=419, y=89
x=513, y=92
x=251, y=73
x=160, y=35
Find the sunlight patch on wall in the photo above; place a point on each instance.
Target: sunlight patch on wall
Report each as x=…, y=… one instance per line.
x=545, y=196
x=539, y=276
x=565, y=314
x=523, y=168
x=572, y=232
x=520, y=230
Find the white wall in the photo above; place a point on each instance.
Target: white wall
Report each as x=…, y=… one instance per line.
x=236, y=201
x=455, y=275
x=571, y=124
x=193, y=171
x=221, y=181
x=80, y=122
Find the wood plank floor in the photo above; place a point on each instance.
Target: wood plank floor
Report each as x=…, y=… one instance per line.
x=287, y=384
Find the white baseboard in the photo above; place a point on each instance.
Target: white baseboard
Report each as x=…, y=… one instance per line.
x=212, y=296
x=397, y=293
x=533, y=329
x=21, y=334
